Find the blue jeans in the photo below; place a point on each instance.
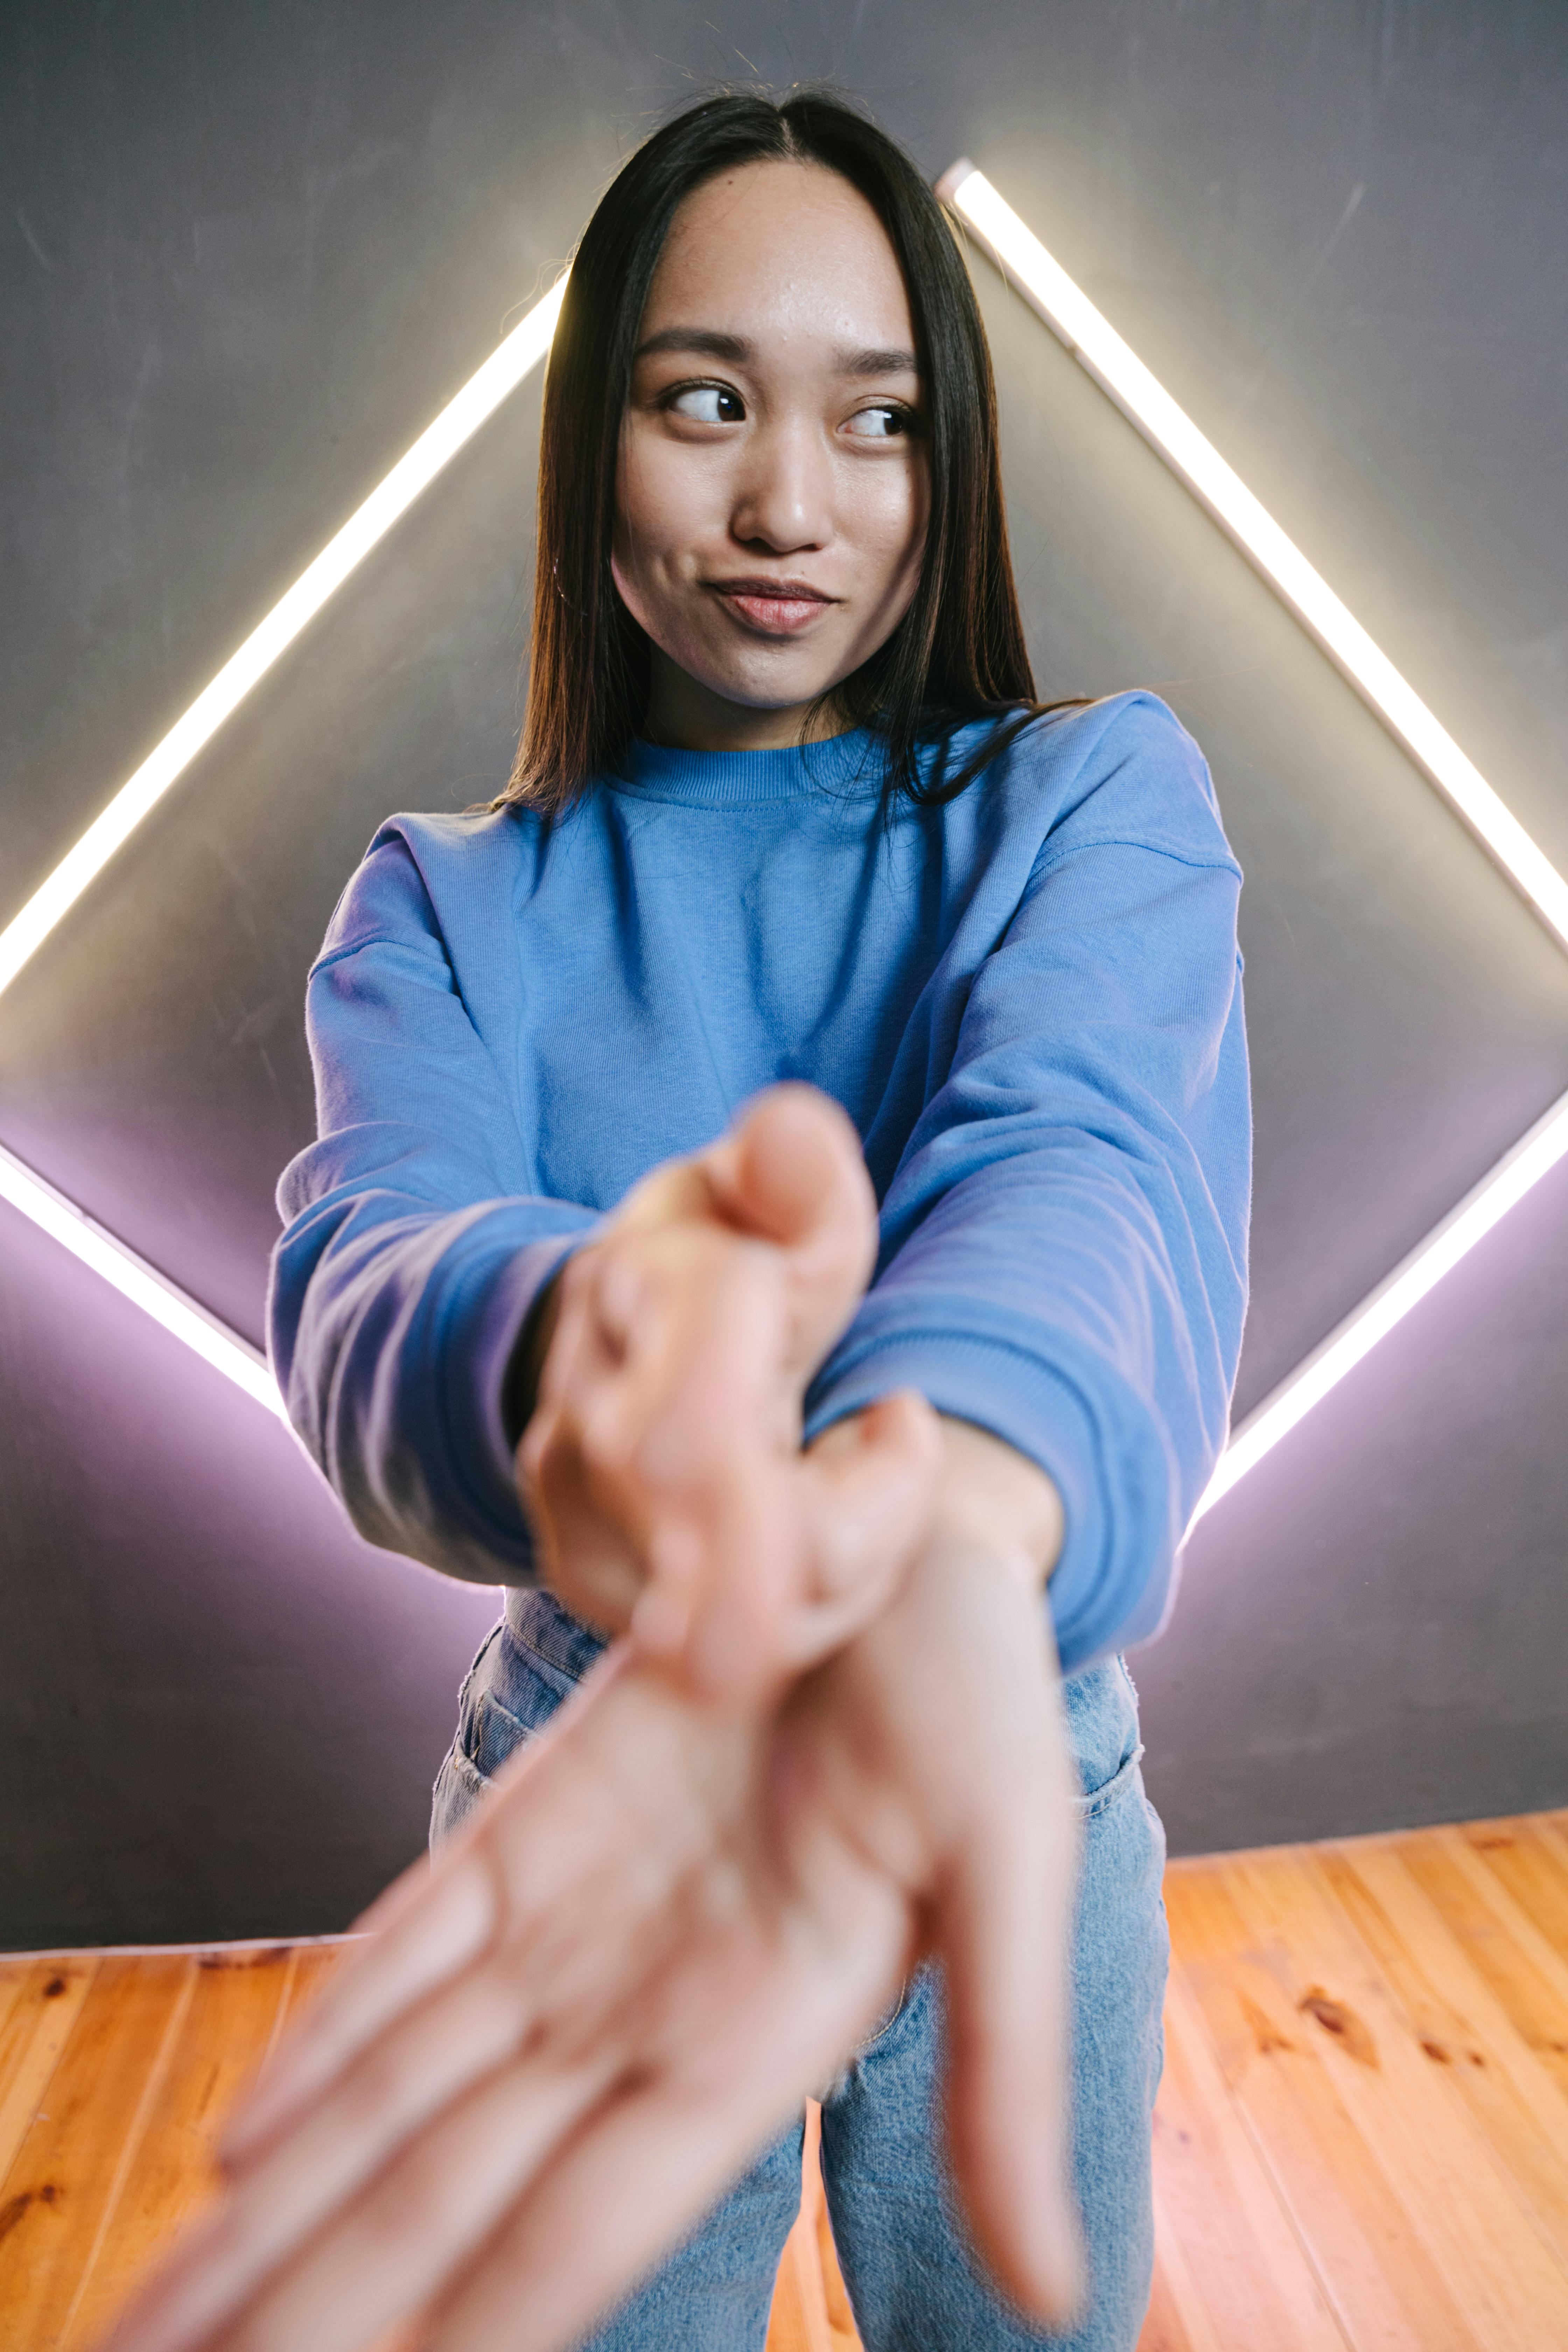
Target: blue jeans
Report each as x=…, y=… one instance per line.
x=913, y=2286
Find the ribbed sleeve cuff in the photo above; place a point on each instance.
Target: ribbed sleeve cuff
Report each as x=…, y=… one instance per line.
x=490, y=1304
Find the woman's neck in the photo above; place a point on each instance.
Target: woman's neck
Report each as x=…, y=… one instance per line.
x=683, y=715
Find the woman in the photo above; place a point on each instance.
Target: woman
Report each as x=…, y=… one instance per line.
x=808, y=1417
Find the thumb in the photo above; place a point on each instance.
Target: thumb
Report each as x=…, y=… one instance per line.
x=790, y=1172
x=1002, y=1927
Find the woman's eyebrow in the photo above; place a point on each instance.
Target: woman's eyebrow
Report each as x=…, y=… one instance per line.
x=877, y=362
x=711, y=343
x=708, y=340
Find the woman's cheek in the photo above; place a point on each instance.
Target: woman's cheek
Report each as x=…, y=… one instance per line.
x=648, y=505
x=892, y=522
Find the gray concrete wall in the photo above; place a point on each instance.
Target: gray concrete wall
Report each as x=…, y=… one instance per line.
x=245, y=253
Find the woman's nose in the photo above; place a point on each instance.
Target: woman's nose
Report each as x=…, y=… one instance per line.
x=783, y=498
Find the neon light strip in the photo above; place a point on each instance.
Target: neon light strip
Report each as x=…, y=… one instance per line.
x=1532, y=1156
x=1120, y=373
x=458, y=420
x=141, y=1284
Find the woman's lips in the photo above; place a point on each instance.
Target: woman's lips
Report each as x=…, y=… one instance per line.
x=776, y=608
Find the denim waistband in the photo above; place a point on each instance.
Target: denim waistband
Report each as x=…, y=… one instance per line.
x=538, y=1622
x=1098, y=1704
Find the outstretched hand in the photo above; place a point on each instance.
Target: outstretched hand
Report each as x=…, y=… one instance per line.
x=683, y=1905
x=669, y=1922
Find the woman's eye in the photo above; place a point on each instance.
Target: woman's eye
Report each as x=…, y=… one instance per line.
x=709, y=403
x=880, y=423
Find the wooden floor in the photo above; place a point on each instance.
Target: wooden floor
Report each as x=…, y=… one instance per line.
x=1362, y=2139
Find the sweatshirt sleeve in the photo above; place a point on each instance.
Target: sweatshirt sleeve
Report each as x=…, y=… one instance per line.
x=414, y=1248
x=1064, y=1240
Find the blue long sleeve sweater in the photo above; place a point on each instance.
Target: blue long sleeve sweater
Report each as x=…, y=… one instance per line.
x=1028, y=1000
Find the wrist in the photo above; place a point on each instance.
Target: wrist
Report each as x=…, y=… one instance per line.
x=993, y=1499
x=520, y=1384
x=990, y=1500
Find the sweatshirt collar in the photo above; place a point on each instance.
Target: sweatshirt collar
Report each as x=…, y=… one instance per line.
x=848, y=765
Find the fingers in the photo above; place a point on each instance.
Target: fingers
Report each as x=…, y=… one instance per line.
x=792, y=1171
x=376, y=2257
x=659, y=1379
x=758, y=1562
x=595, y=1565
x=734, y=2035
x=790, y=1166
x=665, y=1360
x=657, y=1459
x=608, y=2208
x=520, y=1860
x=403, y=2134
x=1002, y=1920
x=742, y=1591
x=430, y=1927
x=694, y=1322
x=381, y=2101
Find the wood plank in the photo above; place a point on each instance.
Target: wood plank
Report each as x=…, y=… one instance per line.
x=1553, y=1830
x=1460, y=2025
x=13, y=1974
x=1527, y=1976
x=59, y=2194
x=1547, y=1956
x=1184, y=2310
x=842, y=2331
x=823, y=2289
x=312, y=1968
x=1352, y=2226
x=1163, y=2329
x=235, y=2001
x=798, y=2319
x=1234, y=2271
x=811, y=2309
x=45, y=2001
x=1526, y=1862
x=1461, y=2209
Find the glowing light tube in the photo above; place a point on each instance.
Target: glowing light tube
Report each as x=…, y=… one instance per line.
x=1532, y=1156
x=1120, y=373
x=208, y=1337
x=440, y=441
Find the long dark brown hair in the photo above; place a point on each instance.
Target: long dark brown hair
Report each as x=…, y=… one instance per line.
x=957, y=654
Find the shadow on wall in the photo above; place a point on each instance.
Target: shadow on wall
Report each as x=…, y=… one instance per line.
x=242, y=1743
x=1310, y=1684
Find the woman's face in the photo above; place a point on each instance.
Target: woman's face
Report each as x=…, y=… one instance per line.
x=772, y=494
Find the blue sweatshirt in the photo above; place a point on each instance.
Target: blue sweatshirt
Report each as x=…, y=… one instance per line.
x=1028, y=1000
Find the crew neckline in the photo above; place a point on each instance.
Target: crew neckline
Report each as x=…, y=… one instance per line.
x=846, y=766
